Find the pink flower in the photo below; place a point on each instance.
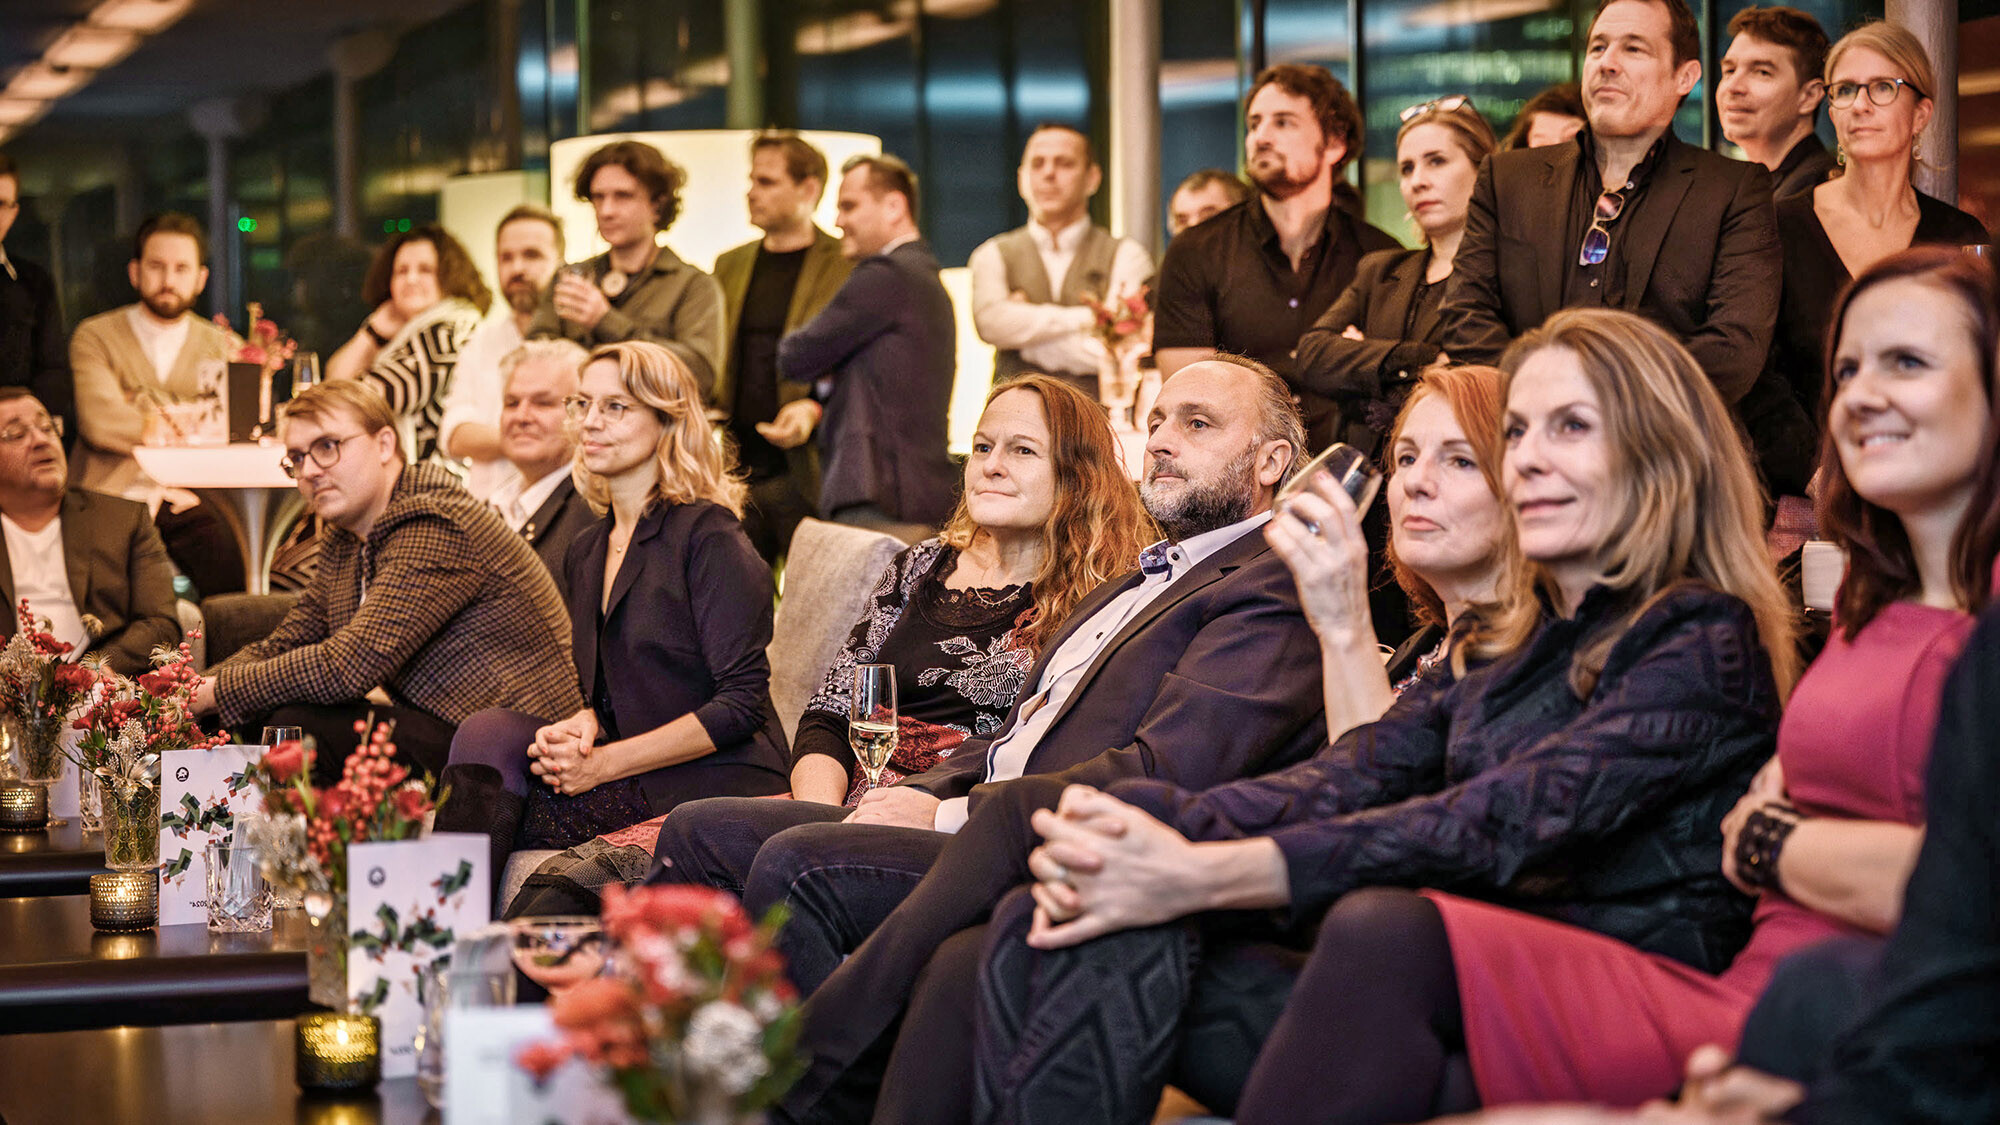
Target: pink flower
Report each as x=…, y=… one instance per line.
x=411, y=804
x=286, y=761
x=541, y=1059
x=160, y=681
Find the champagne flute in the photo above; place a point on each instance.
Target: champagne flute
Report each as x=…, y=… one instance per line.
x=285, y=897
x=305, y=371
x=871, y=718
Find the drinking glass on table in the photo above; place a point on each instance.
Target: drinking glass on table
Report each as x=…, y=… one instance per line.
x=441, y=988
x=239, y=900
x=284, y=897
x=305, y=372
x=1351, y=469
x=871, y=718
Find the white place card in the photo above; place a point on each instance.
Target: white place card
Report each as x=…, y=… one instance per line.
x=406, y=902
x=202, y=792
x=484, y=1086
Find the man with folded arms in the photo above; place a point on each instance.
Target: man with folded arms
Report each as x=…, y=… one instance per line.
x=1196, y=667
x=91, y=564
x=424, y=609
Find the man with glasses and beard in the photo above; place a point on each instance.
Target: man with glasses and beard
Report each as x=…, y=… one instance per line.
x=1628, y=216
x=424, y=609
x=1253, y=278
x=527, y=248
x=131, y=360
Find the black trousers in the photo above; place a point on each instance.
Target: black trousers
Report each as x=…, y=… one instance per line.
x=422, y=740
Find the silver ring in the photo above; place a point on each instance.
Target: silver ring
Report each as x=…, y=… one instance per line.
x=1062, y=873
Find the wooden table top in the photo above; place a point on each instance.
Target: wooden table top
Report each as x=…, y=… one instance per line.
x=50, y=861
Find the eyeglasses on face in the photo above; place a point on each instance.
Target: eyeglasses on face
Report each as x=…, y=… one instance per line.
x=1882, y=91
x=324, y=452
x=1450, y=104
x=1597, y=240
x=614, y=410
x=20, y=431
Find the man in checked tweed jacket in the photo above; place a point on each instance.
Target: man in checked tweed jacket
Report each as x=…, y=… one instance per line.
x=421, y=590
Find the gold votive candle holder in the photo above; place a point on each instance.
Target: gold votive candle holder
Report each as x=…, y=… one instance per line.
x=124, y=900
x=23, y=807
x=338, y=1051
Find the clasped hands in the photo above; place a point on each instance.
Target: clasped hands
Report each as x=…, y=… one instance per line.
x=566, y=756
x=578, y=300
x=1105, y=866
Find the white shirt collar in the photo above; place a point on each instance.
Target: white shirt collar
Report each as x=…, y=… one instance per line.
x=897, y=242
x=1060, y=240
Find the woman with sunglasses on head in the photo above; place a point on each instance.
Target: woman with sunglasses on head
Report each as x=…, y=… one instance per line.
x=1879, y=83
x=670, y=613
x=1366, y=351
x=1546, y=1009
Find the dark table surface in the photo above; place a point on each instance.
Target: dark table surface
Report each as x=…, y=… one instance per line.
x=57, y=973
x=198, y=1074
x=51, y=861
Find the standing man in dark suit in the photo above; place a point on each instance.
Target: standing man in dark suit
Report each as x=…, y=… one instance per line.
x=880, y=357
x=538, y=499
x=1769, y=97
x=1253, y=278
x=90, y=563
x=33, y=346
x=1196, y=666
x=1625, y=216
x=770, y=287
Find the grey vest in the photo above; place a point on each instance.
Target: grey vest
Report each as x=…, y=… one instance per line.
x=1089, y=273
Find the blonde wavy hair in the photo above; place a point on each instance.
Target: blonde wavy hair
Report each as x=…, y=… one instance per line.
x=1691, y=506
x=693, y=464
x=1904, y=51
x=1097, y=528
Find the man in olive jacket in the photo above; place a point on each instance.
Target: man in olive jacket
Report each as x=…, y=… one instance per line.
x=770, y=287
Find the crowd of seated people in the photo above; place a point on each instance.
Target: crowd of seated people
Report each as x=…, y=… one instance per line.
x=1506, y=790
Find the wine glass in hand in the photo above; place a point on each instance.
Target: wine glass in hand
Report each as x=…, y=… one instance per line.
x=871, y=718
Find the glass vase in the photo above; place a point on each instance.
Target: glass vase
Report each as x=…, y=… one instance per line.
x=131, y=815
x=90, y=811
x=326, y=949
x=35, y=744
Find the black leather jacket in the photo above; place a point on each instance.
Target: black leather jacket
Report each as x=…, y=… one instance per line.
x=1603, y=812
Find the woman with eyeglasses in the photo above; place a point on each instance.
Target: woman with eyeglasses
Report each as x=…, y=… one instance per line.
x=670, y=613
x=1366, y=351
x=1879, y=83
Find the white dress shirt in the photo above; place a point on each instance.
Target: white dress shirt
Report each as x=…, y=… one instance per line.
x=475, y=395
x=1007, y=756
x=1055, y=337
x=161, y=343
x=518, y=500
x=41, y=578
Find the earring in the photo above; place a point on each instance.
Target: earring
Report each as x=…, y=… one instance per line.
x=1917, y=149
x=1839, y=153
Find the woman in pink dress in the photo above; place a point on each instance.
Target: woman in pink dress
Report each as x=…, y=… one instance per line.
x=1830, y=828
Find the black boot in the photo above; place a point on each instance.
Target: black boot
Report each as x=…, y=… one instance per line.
x=475, y=800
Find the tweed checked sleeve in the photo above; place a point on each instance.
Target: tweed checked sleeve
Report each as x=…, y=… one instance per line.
x=303, y=624
x=424, y=574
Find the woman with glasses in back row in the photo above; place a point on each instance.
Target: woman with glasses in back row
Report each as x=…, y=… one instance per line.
x=1366, y=351
x=1878, y=91
x=670, y=613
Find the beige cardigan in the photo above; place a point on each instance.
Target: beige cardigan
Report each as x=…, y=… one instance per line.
x=112, y=373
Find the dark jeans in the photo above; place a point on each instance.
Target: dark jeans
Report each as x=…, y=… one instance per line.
x=838, y=881
x=422, y=740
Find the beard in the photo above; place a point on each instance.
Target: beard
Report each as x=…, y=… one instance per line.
x=165, y=303
x=1203, y=505
x=1277, y=180
x=522, y=295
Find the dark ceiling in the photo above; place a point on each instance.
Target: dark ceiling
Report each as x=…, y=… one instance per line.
x=221, y=48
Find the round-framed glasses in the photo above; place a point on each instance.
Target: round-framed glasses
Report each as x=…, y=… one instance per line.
x=1882, y=91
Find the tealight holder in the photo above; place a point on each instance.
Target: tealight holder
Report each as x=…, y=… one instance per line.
x=23, y=807
x=124, y=900
x=338, y=1051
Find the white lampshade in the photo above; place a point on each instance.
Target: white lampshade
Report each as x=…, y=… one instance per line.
x=21, y=111
x=147, y=17
x=91, y=48
x=41, y=82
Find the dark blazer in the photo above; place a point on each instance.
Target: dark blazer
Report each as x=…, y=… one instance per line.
x=1603, y=812
x=1218, y=678
x=118, y=573
x=560, y=519
x=1357, y=373
x=685, y=631
x=1805, y=167
x=1700, y=252
x=887, y=344
x=34, y=348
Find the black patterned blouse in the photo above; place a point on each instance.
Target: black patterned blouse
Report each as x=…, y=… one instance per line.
x=959, y=665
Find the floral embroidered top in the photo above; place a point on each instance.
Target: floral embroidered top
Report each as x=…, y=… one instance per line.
x=959, y=665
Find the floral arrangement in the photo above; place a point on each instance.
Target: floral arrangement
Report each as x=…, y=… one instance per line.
x=697, y=1014
x=39, y=687
x=309, y=828
x=159, y=701
x=265, y=345
x=1121, y=322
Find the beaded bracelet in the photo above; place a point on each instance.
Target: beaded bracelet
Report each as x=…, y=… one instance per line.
x=1763, y=837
